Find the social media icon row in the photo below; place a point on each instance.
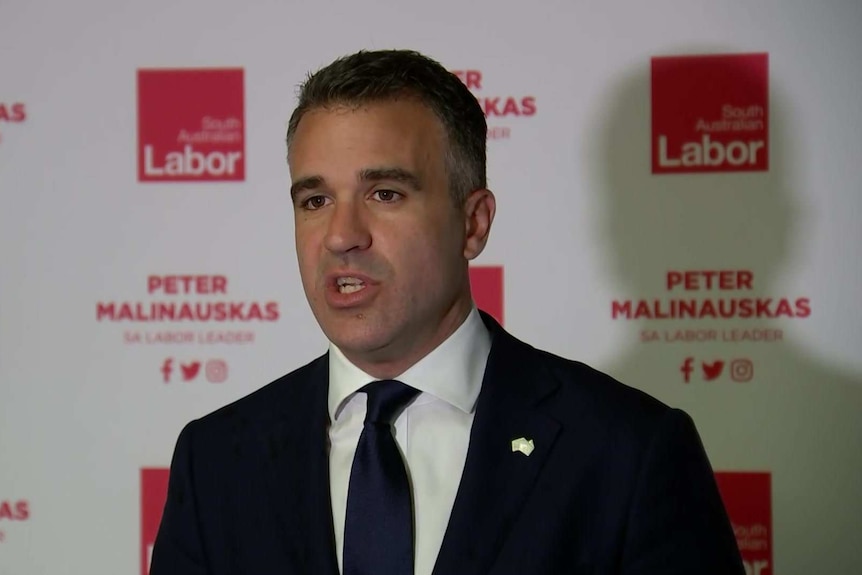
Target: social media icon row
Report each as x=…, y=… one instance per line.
x=215, y=370
x=739, y=369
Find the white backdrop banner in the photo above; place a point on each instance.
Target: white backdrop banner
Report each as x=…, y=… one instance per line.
x=678, y=205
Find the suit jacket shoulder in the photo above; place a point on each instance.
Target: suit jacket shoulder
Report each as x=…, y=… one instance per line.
x=271, y=402
x=571, y=392
x=613, y=480
x=248, y=489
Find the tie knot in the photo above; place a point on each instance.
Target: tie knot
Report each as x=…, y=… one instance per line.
x=385, y=398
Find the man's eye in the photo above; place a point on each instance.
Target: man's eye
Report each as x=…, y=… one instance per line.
x=387, y=196
x=314, y=202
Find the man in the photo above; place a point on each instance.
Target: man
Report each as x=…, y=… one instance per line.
x=508, y=461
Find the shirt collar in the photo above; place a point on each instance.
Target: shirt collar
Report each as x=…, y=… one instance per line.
x=452, y=372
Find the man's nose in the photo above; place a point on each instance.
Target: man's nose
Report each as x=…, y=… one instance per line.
x=348, y=228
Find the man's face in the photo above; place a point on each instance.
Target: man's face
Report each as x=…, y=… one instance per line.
x=380, y=243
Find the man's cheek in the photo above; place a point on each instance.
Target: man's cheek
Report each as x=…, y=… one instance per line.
x=308, y=271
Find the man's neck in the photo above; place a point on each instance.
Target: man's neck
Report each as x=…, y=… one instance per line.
x=391, y=363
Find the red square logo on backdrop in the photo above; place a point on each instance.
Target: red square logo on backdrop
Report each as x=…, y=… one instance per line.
x=191, y=125
x=748, y=500
x=154, y=493
x=710, y=113
x=486, y=283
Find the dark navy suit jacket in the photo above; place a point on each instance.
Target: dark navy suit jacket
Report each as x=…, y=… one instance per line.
x=618, y=483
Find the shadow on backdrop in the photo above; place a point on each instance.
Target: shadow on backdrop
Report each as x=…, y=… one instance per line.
x=798, y=418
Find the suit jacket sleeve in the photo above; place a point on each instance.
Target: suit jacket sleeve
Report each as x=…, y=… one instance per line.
x=677, y=522
x=178, y=549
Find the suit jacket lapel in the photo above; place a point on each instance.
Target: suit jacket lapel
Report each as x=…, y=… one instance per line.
x=496, y=480
x=299, y=474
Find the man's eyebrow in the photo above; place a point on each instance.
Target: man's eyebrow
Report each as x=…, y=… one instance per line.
x=302, y=184
x=393, y=174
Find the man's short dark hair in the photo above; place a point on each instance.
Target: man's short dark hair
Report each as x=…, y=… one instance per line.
x=368, y=77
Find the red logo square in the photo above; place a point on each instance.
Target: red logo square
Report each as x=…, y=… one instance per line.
x=486, y=283
x=191, y=125
x=710, y=113
x=748, y=500
x=154, y=493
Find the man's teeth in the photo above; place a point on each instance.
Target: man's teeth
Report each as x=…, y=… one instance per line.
x=349, y=284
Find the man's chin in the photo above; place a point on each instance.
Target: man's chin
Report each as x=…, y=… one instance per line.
x=359, y=340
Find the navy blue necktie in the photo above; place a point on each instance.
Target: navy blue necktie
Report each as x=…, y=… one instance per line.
x=378, y=526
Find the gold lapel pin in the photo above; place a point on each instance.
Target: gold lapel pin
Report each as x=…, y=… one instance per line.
x=523, y=445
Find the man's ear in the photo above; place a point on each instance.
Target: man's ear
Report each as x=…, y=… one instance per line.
x=479, y=210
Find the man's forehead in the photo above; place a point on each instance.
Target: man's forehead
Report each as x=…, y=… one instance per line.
x=405, y=116
x=388, y=135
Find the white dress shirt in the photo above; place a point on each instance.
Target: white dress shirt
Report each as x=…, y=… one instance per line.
x=433, y=432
